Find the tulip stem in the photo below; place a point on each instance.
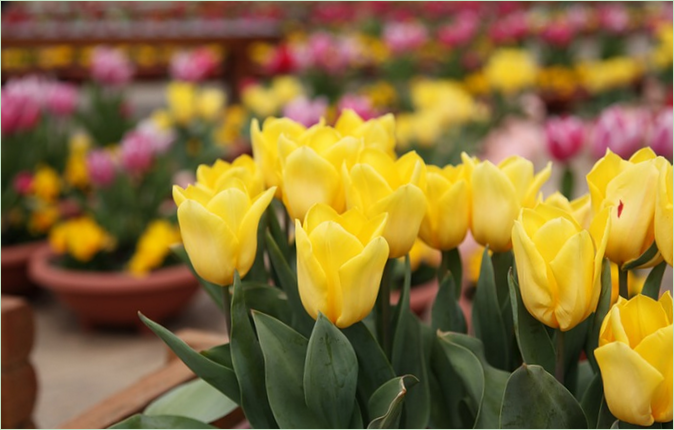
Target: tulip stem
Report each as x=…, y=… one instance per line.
x=226, y=305
x=559, y=364
x=384, y=298
x=622, y=283
x=567, y=184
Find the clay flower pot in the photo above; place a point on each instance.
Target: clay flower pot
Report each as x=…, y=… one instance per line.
x=15, y=268
x=114, y=299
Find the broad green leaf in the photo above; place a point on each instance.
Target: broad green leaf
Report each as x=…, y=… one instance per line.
x=574, y=342
x=451, y=261
x=219, y=376
x=447, y=391
x=301, y=320
x=249, y=363
x=284, y=352
x=258, y=272
x=584, y=376
x=597, y=318
x=447, y=314
x=653, y=282
x=275, y=229
x=374, y=367
x=532, y=337
x=195, y=399
x=267, y=299
x=486, y=316
x=483, y=383
x=221, y=354
x=592, y=400
x=140, y=421
x=605, y=418
x=386, y=403
x=534, y=399
x=330, y=374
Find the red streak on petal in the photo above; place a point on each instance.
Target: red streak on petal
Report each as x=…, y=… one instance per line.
x=620, y=208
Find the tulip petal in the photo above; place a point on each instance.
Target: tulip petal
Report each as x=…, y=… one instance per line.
x=370, y=229
x=666, y=302
x=231, y=205
x=629, y=383
x=209, y=242
x=200, y=194
x=663, y=214
x=348, y=121
x=495, y=207
x=312, y=283
x=344, y=151
x=538, y=295
x=247, y=231
x=360, y=278
x=406, y=208
x=539, y=179
x=551, y=237
x=520, y=173
x=641, y=316
x=600, y=228
x=309, y=179
x=318, y=214
x=369, y=186
x=573, y=268
x=612, y=329
x=601, y=174
x=656, y=349
x=644, y=154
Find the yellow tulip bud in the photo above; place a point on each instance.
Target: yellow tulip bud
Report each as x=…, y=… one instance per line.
x=46, y=184
x=376, y=133
x=265, y=146
x=312, y=173
x=377, y=185
x=559, y=264
x=579, y=208
x=498, y=195
x=663, y=213
x=340, y=261
x=220, y=232
x=180, y=97
x=635, y=359
x=209, y=103
x=447, y=217
x=631, y=188
x=219, y=175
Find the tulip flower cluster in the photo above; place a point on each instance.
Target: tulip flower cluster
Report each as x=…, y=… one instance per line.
x=325, y=332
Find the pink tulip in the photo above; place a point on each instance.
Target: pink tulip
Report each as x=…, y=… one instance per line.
x=100, y=167
x=461, y=31
x=661, y=134
x=111, y=67
x=305, y=111
x=359, y=104
x=137, y=152
x=510, y=28
x=194, y=66
x=402, y=37
x=619, y=130
x=565, y=137
x=160, y=140
x=614, y=18
x=62, y=99
x=23, y=181
x=558, y=33
x=19, y=113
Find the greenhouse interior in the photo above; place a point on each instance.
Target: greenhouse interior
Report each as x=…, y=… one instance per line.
x=337, y=214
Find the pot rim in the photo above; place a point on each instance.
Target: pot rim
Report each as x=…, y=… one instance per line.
x=42, y=270
x=17, y=254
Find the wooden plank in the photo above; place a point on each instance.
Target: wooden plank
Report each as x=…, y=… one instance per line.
x=18, y=331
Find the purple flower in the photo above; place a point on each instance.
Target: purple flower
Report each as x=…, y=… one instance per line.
x=305, y=111
x=661, y=134
x=62, y=99
x=110, y=67
x=100, y=167
x=620, y=130
x=137, y=152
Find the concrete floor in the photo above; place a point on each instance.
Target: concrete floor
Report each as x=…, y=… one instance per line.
x=77, y=368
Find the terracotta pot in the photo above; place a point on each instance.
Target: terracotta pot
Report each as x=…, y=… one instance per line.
x=114, y=299
x=15, y=268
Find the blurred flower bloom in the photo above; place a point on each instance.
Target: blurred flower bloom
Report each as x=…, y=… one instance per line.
x=23, y=182
x=100, y=167
x=62, y=99
x=510, y=70
x=359, y=104
x=46, y=184
x=565, y=137
x=305, y=111
x=404, y=37
x=110, y=66
x=620, y=130
x=461, y=30
x=19, y=113
x=193, y=66
x=153, y=247
x=137, y=152
x=660, y=137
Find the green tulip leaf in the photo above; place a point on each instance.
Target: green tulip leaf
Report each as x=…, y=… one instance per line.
x=330, y=374
x=275, y=229
x=483, y=383
x=374, y=367
x=534, y=399
x=574, y=342
x=447, y=391
x=597, y=318
x=221, y=354
x=284, y=352
x=301, y=320
x=654, y=281
x=258, y=271
x=386, y=403
x=267, y=299
x=451, y=261
x=219, y=376
x=446, y=314
x=592, y=399
x=643, y=259
x=195, y=399
x=249, y=363
x=140, y=421
x=624, y=425
x=605, y=418
x=214, y=291
x=486, y=316
x=583, y=376
x=532, y=336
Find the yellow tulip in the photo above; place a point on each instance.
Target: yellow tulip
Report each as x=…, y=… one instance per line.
x=220, y=232
x=510, y=70
x=635, y=283
x=579, y=208
x=340, y=260
x=447, y=216
x=559, y=264
x=81, y=237
x=376, y=133
x=180, y=97
x=377, y=184
x=498, y=195
x=311, y=173
x=635, y=359
x=209, y=103
x=631, y=188
x=265, y=146
x=663, y=213
x=46, y=184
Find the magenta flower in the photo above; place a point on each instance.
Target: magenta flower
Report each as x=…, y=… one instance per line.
x=402, y=37
x=564, y=137
x=23, y=181
x=558, y=33
x=619, y=130
x=359, y=104
x=511, y=28
x=137, y=152
x=461, y=31
x=305, y=111
x=661, y=134
x=19, y=112
x=194, y=66
x=100, y=167
x=614, y=18
x=62, y=99
x=110, y=67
